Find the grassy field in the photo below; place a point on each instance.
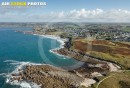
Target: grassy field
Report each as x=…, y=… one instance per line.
x=117, y=58
x=118, y=52
x=127, y=29
x=54, y=33
x=116, y=80
x=113, y=80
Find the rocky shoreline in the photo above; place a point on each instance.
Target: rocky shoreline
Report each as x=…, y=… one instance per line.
x=51, y=77
x=73, y=54
x=47, y=76
x=108, y=66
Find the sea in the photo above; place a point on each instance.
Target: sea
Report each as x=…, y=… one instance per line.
x=18, y=48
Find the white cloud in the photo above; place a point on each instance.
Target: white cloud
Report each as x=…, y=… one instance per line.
x=79, y=14
x=97, y=15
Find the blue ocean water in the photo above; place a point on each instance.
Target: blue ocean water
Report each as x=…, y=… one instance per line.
x=19, y=47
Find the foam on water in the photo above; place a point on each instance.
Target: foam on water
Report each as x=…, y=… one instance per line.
x=29, y=85
x=51, y=51
x=21, y=65
x=60, y=40
x=11, y=61
x=3, y=74
x=22, y=84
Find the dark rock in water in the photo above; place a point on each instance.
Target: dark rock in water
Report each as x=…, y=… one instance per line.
x=96, y=79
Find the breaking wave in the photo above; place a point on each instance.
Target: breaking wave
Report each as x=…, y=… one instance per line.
x=19, y=65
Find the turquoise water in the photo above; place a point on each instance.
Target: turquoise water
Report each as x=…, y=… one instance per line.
x=19, y=47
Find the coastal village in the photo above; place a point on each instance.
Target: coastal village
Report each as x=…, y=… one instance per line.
x=104, y=49
x=98, y=31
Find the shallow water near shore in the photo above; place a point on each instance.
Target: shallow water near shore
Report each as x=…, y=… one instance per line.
x=18, y=47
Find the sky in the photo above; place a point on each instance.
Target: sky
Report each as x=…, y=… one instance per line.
x=68, y=11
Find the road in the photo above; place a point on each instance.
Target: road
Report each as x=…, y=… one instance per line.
x=103, y=80
x=109, y=77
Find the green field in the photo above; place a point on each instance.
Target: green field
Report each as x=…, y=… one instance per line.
x=118, y=52
x=127, y=29
x=116, y=80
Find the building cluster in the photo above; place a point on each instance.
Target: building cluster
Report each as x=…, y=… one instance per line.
x=101, y=32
